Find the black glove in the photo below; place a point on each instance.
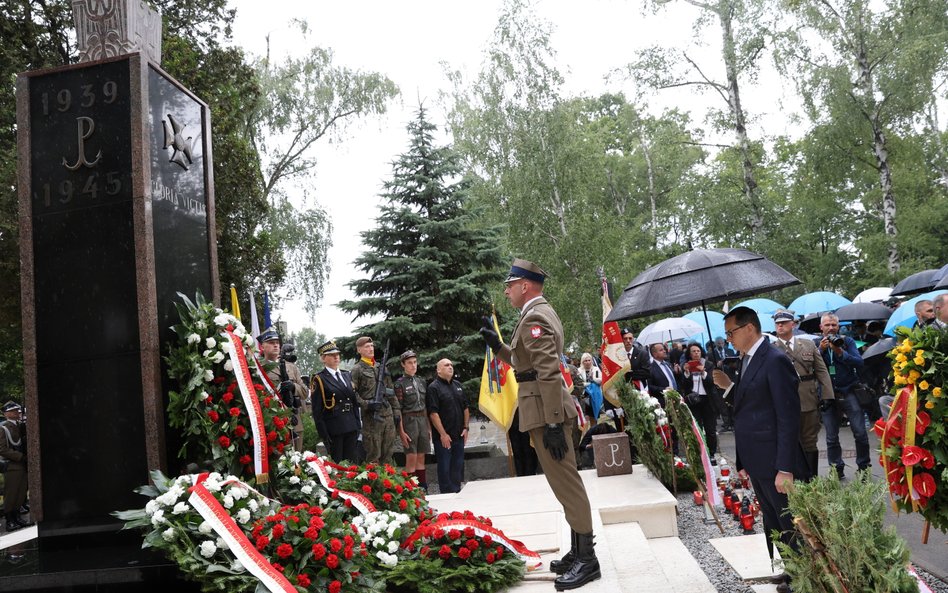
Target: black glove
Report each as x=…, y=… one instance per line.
x=375, y=406
x=490, y=336
x=554, y=439
x=827, y=404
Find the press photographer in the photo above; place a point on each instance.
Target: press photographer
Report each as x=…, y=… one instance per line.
x=288, y=379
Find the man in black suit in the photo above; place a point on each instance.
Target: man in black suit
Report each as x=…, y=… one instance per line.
x=662, y=376
x=766, y=419
x=336, y=406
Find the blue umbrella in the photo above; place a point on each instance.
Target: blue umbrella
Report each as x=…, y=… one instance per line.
x=765, y=309
x=904, y=316
x=715, y=319
x=818, y=302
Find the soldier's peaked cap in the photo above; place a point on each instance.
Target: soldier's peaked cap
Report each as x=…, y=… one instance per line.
x=11, y=405
x=526, y=270
x=328, y=348
x=783, y=315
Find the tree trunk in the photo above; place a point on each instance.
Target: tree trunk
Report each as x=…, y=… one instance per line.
x=756, y=221
x=651, y=191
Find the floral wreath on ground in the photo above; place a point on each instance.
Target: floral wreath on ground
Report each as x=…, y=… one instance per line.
x=324, y=526
x=914, y=437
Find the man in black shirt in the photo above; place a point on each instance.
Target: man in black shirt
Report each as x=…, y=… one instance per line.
x=447, y=409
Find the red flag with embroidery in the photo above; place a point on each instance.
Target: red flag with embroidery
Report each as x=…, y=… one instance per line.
x=615, y=360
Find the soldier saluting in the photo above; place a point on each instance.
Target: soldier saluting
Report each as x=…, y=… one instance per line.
x=544, y=404
x=379, y=418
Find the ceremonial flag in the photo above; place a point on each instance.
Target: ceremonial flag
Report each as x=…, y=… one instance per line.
x=615, y=360
x=266, y=310
x=254, y=322
x=498, y=396
x=234, y=305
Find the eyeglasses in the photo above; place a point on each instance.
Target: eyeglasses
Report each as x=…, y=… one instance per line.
x=730, y=333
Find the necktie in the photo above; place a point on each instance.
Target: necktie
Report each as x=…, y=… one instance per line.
x=744, y=362
x=789, y=346
x=670, y=375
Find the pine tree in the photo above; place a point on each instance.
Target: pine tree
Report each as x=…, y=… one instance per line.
x=431, y=262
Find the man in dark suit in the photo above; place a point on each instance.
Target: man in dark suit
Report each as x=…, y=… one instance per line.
x=662, y=375
x=766, y=419
x=336, y=406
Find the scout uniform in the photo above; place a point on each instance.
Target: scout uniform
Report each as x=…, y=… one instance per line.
x=378, y=426
x=410, y=392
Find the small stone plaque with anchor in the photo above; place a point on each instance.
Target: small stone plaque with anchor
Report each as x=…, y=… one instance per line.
x=612, y=453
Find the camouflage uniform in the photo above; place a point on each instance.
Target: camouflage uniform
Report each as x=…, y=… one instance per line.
x=378, y=428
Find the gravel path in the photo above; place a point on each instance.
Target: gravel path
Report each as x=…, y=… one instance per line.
x=695, y=533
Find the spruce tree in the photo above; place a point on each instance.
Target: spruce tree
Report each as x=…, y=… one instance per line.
x=431, y=262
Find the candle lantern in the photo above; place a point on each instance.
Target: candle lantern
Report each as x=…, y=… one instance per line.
x=699, y=498
x=727, y=498
x=747, y=522
x=725, y=471
x=736, y=506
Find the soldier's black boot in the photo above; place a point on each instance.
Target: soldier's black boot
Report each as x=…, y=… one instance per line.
x=562, y=565
x=12, y=522
x=585, y=566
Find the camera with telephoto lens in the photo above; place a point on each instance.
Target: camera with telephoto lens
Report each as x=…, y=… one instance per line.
x=288, y=353
x=288, y=388
x=836, y=340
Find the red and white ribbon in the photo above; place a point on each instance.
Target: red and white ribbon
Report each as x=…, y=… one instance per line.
x=224, y=525
x=360, y=502
x=714, y=495
x=481, y=529
x=261, y=464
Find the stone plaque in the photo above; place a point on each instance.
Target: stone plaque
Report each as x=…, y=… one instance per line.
x=111, y=28
x=612, y=454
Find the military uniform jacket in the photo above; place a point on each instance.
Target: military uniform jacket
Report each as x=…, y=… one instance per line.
x=364, y=379
x=812, y=371
x=12, y=448
x=537, y=345
x=293, y=374
x=410, y=392
x=335, y=405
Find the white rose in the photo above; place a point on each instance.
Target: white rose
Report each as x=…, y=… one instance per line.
x=228, y=501
x=237, y=492
x=243, y=515
x=217, y=357
x=307, y=489
x=228, y=366
x=158, y=518
x=208, y=376
x=391, y=529
x=388, y=560
x=180, y=508
x=378, y=542
x=392, y=546
x=168, y=534
x=193, y=338
x=208, y=548
x=253, y=506
x=210, y=342
x=222, y=320
x=205, y=528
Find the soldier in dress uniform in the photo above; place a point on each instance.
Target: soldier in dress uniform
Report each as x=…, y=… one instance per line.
x=816, y=385
x=379, y=419
x=271, y=346
x=545, y=406
x=12, y=448
x=415, y=431
x=335, y=406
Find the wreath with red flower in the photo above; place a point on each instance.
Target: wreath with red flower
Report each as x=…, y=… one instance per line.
x=913, y=438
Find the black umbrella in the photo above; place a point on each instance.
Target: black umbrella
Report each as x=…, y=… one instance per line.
x=940, y=278
x=863, y=312
x=811, y=323
x=881, y=347
x=916, y=283
x=699, y=277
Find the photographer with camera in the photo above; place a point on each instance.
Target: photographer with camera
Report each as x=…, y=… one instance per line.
x=844, y=364
x=288, y=379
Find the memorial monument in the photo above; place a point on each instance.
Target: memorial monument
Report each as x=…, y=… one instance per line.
x=116, y=217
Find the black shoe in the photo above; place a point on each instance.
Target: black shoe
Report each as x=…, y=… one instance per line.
x=24, y=509
x=585, y=567
x=562, y=565
x=780, y=578
x=784, y=588
x=11, y=526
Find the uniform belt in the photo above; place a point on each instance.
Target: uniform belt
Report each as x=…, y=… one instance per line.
x=807, y=377
x=418, y=413
x=525, y=376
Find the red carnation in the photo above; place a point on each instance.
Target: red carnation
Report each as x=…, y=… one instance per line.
x=472, y=544
x=368, y=466
x=417, y=502
x=351, y=475
x=278, y=530
x=464, y=553
x=218, y=380
x=488, y=540
x=347, y=554
x=224, y=442
x=444, y=552
x=284, y=551
x=335, y=587
x=266, y=402
x=279, y=422
x=332, y=561
x=454, y=534
x=317, y=522
x=311, y=533
x=469, y=531
x=367, y=489
x=399, y=489
x=227, y=397
x=239, y=431
x=302, y=580
x=232, y=386
x=319, y=551
x=438, y=533
x=404, y=474
x=272, y=436
x=347, y=502
x=402, y=504
x=372, y=475
x=280, y=447
x=490, y=558
x=234, y=412
x=386, y=497
x=258, y=386
x=209, y=400
x=245, y=459
x=262, y=542
x=277, y=567
x=457, y=515
x=335, y=545
x=213, y=415
x=924, y=484
x=425, y=551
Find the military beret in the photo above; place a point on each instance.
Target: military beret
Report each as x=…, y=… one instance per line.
x=363, y=341
x=783, y=315
x=407, y=354
x=526, y=270
x=328, y=348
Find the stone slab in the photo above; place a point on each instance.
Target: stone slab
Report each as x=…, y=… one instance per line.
x=681, y=569
x=747, y=555
x=17, y=537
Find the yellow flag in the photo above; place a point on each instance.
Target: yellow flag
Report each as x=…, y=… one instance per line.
x=498, y=396
x=234, y=305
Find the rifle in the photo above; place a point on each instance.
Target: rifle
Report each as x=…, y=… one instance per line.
x=379, y=400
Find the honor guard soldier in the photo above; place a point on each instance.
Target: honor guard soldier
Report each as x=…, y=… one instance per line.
x=380, y=415
x=545, y=405
x=287, y=378
x=415, y=431
x=13, y=450
x=335, y=406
